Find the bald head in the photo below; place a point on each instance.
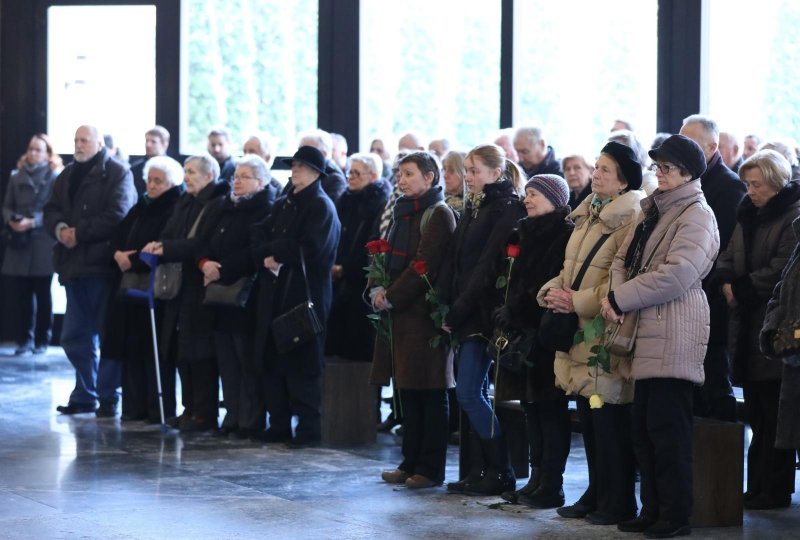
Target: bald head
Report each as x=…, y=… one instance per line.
x=410, y=141
x=729, y=148
x=88, y=142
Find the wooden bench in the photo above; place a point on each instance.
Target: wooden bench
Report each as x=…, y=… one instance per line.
x=348, y=403
x=718, y=473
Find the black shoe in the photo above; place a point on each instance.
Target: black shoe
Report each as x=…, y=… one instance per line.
x=603, y=518
x=575, y=511
x=534, y=481
x=387, y=425
x=461, y=486
x=196, y=424
x=544, y=497
x=637, y=524
x=227, y=430
x=175, y=421
x=762, y=501
x=106, y=410
x=272, y=436
x=76, y=408
x=499, y=476
x=40, y=349
x=667, y=529
x=303, y=442
x=132, y=417
x=24, y=350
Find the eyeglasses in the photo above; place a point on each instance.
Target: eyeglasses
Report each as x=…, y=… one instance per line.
x=354, y=173
x=665, y=168
x=242, y=178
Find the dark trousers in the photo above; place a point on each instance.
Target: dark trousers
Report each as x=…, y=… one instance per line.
x=662, y=441
x=549, y=434
x=609, y=455
x=288, y=395
x=199, y=387
x=139, y=384
x=770, y=470
x=425, y=421
x=232, y=350
x=35, y=308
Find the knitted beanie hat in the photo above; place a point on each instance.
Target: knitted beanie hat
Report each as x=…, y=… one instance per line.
x=552, y=186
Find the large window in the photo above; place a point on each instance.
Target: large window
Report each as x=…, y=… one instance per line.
x=101, y=71
x=578, y=66
x=248, y=65
x=752, y=67
x=431, y=68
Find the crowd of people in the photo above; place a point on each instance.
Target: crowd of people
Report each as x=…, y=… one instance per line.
x=429, y=264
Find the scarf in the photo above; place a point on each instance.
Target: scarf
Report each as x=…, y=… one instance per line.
x=236, y=199
x=400, y=232
x=597, y=206
x=633, y=258
x=473, y=201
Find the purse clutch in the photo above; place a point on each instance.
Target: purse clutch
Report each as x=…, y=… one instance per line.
x=621, y=337
x=168, y=279
x=234, y=295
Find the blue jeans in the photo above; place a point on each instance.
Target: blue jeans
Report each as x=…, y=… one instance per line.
x=87, y=299
x=472, y=387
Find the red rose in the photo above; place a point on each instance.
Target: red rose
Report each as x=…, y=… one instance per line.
x=372, y=247
x=420, y=267
x=383, y=246
x=512, y=250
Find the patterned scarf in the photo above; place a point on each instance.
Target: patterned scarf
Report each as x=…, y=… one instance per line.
x=633, y=258
x=236, y=199
x=400, y=232
x=597, y=206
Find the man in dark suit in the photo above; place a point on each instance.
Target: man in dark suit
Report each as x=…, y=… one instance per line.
x=723, y=191
x=219, y=146
x=156, y=142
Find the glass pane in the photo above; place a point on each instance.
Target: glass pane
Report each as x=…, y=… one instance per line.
x=431, y=68
x=249, y=65
x=101, y=70
x=753, y=57
x=578, y=66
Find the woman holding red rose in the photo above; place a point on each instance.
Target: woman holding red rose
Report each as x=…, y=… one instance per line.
x=538, y=245
x=422, y=227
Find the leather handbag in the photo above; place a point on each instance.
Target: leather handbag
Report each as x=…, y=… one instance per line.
x=512, y=348
x=557, y=330
x=299, y=325
x=132, y=280
x=167, y=283
x=620, y=337
x=234, y=295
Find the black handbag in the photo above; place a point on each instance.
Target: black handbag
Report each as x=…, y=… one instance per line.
x=300, y=324
x=167, y=283
x=512, y=348
x=557, y=330
x=132, y=280
x=234, y=295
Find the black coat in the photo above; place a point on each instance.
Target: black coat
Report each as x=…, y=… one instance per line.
x=543, y=242
x=227, y=169
x=575, y=200
x=186, y=311
x=139, y=181
x=350, y=335
x=228, y=243
x=549, y=165
x=468, y=278
x=102, y=200
x=308, y=220
x=128, y=319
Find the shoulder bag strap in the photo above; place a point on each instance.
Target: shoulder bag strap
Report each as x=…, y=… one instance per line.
x=646, y=265
x=193, y=230
x=305, y=277
x=600, y=241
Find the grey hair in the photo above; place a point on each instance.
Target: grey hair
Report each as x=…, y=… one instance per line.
x=160, y=132
x=533, y=134
x=266, y=142
x=323, y=140
x=206, y=164
x=784, y=148
x=370, y=160
x=171, y=168
x=708, y=124
x=256, y=164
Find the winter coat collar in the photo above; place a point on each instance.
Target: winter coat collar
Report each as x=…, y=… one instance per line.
x=747, y=213
x=615, y=214
x=306, y=195
x=678, y=196
x=212, y=190
x=546, y=225
x=166, y=200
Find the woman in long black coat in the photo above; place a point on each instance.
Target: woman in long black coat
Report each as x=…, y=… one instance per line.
x=187, y=325
x=350, y=335
x=302, y=222
x=128, y=334
x=224, y=257
x=542, y=238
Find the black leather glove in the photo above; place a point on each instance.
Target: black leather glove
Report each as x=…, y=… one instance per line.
x=502, y=318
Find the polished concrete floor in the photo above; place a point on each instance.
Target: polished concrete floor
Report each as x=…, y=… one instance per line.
x=79, y=477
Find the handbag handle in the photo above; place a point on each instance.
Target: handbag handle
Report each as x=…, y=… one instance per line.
x=576, y=283
x=305, y=278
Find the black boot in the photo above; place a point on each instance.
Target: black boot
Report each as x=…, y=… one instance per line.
x=499, y=476
x=534, y=481
x=549, y=495
x=477, y=465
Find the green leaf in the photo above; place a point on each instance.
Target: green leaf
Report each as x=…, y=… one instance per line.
x=599, y=324
x=374, y=317
x=501, y=282
x=579, y=337
x=435, y=341
x=591, y=361
x=596, y=349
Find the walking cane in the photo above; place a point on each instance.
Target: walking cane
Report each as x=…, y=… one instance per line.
x=151, y=260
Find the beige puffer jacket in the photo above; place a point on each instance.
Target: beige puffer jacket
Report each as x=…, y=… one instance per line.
x=571, y=370
x=674, y=314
